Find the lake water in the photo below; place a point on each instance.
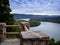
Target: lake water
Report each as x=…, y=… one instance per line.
x=51, y=29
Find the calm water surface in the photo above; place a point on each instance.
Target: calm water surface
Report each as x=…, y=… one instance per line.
x=51, y=29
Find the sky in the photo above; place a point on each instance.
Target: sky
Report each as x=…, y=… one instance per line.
x=35, y=7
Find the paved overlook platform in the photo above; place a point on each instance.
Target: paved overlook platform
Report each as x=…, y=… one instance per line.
x=11, y=42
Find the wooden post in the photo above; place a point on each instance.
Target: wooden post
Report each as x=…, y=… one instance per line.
x=33, y=42
x=21, y=42
x=2, y=31
x=24, y=24
x=47, y=42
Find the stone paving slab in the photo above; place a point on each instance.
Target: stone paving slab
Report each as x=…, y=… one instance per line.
x=11, y=42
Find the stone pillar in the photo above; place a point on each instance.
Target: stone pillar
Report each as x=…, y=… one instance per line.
x=2, y=31
x=24, y=24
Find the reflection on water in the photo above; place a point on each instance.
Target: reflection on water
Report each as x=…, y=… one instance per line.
x=51, y=29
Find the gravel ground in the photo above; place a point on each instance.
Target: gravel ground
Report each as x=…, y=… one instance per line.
x=11, y=42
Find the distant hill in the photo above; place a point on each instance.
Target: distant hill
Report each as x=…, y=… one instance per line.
x=24, y=16
x=53, y=18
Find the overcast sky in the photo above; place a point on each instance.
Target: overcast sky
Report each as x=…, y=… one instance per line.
x=40, y=7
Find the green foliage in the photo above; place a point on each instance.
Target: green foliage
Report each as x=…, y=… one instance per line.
x=5, y=15
x=13, y=29
x=54, y=20
x=58, y=42
x=11, y=36
x=34, y=22
x=52, y=42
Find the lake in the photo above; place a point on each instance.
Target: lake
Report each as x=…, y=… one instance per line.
x=49, y=28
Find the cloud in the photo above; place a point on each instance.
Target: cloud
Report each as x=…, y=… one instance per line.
x=17, y=11
x=35, y=6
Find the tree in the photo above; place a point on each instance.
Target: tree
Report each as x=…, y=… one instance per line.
x=52, y=41
x=58, y=42
x=5, y=15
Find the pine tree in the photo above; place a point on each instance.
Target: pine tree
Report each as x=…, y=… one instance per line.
x=5, y=10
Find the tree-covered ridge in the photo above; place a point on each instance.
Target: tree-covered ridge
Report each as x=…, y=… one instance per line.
x=5, y=10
